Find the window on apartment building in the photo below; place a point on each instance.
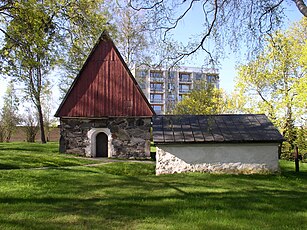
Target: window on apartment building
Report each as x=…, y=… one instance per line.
x=141, y=73
x=198, y=76
x=156, y=98
x=156, y=76
x=157, y=109
x=156, y=86
x=171, y=97
x=211, y=78
x=184, y=88
x=185, y=77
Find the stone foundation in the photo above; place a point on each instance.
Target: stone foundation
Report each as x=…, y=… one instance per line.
x=128, y=138
x=167, y=163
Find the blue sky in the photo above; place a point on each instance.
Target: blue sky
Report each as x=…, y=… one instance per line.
x=227, y=68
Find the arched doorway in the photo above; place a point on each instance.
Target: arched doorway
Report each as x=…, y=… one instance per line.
x=101, y=145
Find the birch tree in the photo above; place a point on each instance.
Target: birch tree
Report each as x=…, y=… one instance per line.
x=276, y=80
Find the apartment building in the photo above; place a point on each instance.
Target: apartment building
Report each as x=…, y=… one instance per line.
x=164, y=88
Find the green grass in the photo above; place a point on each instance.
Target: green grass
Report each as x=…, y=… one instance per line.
x=20, y=155
x=125, y=195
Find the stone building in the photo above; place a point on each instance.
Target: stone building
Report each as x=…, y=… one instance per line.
x=105, y=113
x=243, y=143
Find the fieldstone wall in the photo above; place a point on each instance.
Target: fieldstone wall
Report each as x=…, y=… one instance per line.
x=130, y=136
x=167, y=163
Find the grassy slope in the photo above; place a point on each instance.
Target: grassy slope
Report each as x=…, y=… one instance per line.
x=19, y=155
x=129, y=196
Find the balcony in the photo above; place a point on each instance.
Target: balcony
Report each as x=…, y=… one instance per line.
x=185, y=80
x=184, y=90
x=156, y=89
x=185, y=77
x=157, y=101
x=156, y=79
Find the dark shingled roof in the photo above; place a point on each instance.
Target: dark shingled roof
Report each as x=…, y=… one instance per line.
x=229, y=128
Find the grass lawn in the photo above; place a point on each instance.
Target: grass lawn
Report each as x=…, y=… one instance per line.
x=125, y=195
x=20, y=155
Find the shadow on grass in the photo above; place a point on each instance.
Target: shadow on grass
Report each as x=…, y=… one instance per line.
x=257, y=206
x=129, y=196
x=294, y=175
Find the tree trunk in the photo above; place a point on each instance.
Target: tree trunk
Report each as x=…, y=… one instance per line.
x=301, y=7
x=41, y=124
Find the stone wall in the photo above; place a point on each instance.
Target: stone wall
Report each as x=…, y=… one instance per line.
x=168, y=163
x=129, y=137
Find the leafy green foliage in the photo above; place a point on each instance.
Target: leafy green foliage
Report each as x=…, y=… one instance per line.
x=29, y=52
x=38, y=35
x=274, y=82
x=203, y=99
x=9, y=117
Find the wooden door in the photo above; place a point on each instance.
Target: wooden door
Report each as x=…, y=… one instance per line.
x=101, y=145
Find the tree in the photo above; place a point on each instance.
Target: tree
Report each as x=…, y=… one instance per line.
x=38, y=35
x=236, y=103
x=301, y=7
x=29, y=51
x=49, y=119
x=81, y=23
x=31, y=124
x=132, y=39
x=276, y=79
x=204, y=99
x=9, y=115
x=227, y=23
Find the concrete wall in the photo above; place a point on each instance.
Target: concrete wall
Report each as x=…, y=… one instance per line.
x=229, y=158
x=128, y=138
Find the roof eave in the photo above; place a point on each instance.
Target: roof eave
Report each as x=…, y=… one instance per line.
x=219, y=142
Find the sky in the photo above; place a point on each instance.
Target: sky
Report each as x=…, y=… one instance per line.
x=227, y=66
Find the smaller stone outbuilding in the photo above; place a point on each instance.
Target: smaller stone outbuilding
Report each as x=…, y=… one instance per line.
x=105, y=113
x=245, y=144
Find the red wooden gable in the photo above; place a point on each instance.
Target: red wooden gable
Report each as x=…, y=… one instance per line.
x=104, y=87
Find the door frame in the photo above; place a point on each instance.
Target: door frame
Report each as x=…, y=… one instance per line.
x=92, y=134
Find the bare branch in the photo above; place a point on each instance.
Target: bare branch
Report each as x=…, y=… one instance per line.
x=145, y=8
x=6, y=6
x=180, y=17
x=201, y=44
x=268, y=10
